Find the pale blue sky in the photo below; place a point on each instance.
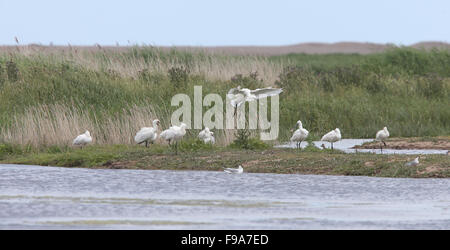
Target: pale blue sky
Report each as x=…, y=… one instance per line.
x=231, y=22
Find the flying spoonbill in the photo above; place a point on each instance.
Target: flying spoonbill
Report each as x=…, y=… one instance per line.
x=83, y=139
x=332, y=136
x=300, y=134
x=240, y=95
x=147, y=134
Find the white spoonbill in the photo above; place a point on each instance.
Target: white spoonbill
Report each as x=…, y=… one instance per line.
x=238, y=170
x=240, y=95
x=83, y=139
x=332, y=136
x=381, y=136
x=300, y=134
x=206, y=136
x=174, y=134
x=413, y=163
x=147, y=134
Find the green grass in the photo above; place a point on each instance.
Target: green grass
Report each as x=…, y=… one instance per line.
x=406, y=89
x=280, y=161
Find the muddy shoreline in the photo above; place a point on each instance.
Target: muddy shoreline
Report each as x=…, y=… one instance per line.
x=438, y=143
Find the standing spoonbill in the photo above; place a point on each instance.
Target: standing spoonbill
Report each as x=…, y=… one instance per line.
x=147, y=134
x=300, y=134
x=332, y=136
x=238, y=96
x=206, y=136
x=82, y=139
x=381, y=136
x=174, y=134
x=238, y=170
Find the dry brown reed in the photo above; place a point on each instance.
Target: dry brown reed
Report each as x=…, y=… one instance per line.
x=58, y=125
x=211, y=66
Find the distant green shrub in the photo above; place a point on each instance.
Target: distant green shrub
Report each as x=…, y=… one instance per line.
x=431, y=86
x=12, y=71
x=2, y=75
x=179, y=76
x=409, y=61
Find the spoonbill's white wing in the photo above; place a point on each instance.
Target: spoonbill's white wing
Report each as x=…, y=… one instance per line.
x=167, y=134
x=211, y=140
x=82, y=139
x=235, y=91
x=238, y=170
x=231, y=170
x=265, y=92
x=237, y=100
x=146, y=133
x=203, y=134
x=78, y=140
x=381, y=135
x=300, y=135
x=413, y=163
x=330, y=136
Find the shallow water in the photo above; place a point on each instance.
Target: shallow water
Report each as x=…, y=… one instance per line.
x=33, y=197
x=347, y=145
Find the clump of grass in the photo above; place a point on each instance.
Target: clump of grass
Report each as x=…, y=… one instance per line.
x=7, y=149
x=194, y=144
x=244, y=140
x=179, y=76
x=12, y=71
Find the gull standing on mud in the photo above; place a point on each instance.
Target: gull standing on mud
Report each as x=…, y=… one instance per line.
x=82, y=139
x=174, y=133
x=300, y=134
x=240, y=95
x=413, y=163
x=332, y=136
x=381, y=136
x=147, y=134
x=238, y=170
x=206, y=136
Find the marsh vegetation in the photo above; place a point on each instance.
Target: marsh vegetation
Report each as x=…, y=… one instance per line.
x=48, y=96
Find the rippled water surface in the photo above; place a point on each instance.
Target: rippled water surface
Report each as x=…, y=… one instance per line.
x=33, y=197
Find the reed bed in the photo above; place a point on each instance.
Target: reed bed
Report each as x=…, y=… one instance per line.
x=50, y=95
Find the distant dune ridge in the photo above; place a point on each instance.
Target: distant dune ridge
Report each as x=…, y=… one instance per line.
x=307, y=48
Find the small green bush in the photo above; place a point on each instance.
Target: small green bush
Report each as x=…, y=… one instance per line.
x=245, y=141
x=179, y=76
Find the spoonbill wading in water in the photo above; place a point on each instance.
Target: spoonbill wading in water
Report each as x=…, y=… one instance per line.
x=174, y=134
x=239, y=95
x=300, y=134
x=82, y=139
x=381, y=136
x=147, y=134
x=332, y=136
